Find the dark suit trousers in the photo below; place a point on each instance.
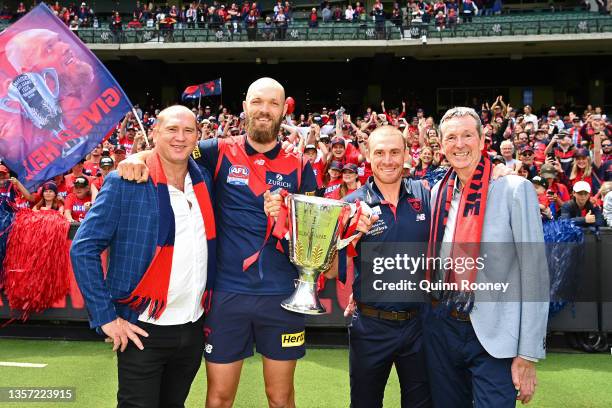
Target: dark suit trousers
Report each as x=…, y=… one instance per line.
x=162, y=373
x=375, y=345
x=461, y=372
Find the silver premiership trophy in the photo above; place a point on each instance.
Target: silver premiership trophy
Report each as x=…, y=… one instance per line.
x=38, y=103
x=314, y=232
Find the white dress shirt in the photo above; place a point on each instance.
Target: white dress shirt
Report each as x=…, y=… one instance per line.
x=189, y=261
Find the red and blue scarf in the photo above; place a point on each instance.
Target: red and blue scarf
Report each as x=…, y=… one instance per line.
x=469, y=220
x=152, y=290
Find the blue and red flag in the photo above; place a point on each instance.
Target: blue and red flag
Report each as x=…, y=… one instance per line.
x=209, y=88
x=57, y=100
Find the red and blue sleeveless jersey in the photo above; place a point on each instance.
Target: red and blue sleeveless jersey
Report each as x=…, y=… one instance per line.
x=241, y=176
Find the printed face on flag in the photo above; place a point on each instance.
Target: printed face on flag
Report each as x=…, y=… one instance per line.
x=57, y=101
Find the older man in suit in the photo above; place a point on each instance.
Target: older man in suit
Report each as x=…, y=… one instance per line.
x=161, y=236
x=482, y=345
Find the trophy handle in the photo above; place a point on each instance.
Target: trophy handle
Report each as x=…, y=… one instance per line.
x=5, y=107
x=53, y=73
x=355, y=209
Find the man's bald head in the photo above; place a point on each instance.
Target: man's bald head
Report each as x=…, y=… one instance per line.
x=387, y=152
x=175, y=135
x=385, y=132
x=172, y=111
x=265, y=84
x=21, y=52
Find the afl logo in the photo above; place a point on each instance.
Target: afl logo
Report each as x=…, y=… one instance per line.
x=238, y=175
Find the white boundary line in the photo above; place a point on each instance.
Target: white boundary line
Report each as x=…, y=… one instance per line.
x=28, y=365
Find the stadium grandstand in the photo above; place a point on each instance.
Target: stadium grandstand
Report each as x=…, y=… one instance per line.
x=536, y=73
x=554, y=51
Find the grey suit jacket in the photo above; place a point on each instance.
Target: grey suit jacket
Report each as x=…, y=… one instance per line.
x=513, y=323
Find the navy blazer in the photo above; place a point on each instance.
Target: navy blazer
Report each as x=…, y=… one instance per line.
x=124, y=218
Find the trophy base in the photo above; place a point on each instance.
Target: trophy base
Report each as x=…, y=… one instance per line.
x=304, y=299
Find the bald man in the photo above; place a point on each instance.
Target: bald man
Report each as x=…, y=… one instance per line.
x=386, y=329
x=32, y=51
x=254, y=273
x=161, y=267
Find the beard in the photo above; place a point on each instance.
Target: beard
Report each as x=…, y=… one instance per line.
x=76, y=77
x=263, y=133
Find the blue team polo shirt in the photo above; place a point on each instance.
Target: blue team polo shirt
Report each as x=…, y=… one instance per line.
x=408, y=222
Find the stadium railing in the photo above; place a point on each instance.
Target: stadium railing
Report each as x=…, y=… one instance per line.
x=298, y=30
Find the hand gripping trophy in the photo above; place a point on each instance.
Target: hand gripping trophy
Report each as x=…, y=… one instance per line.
x=315, y=227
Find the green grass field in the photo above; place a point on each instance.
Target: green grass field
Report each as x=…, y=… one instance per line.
x=565, y=380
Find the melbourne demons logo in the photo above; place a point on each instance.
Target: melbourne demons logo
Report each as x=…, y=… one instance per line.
x=238, y=175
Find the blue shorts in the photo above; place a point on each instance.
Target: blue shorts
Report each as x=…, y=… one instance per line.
x=236, y=321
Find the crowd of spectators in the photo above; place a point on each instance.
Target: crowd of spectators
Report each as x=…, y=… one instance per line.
x=567, y=155
x=249, y=15
x=73, y=15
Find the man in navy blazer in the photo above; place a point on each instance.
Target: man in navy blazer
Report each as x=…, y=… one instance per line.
x=161, y=263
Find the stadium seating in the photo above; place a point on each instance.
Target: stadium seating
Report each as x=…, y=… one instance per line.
x=546, y=23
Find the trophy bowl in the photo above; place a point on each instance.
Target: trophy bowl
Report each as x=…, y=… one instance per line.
x=314, y=229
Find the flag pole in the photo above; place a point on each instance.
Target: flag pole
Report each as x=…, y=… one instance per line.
x=142, y=129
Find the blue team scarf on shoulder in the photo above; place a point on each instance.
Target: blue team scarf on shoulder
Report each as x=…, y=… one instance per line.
x=152, y=290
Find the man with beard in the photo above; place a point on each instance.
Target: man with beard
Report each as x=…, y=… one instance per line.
x=32, y=51
x=253, y=273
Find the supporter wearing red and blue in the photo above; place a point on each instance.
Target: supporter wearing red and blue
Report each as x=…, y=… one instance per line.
x=340, y=152
x=92, y=165
x=383, y=334
x=254, y=273
x=350, y=182
x=575, y=131
x=333, y=179
x=127, y=132
x=561, y=145
x=318, y=163
x=539, y=146
x=606, y=150
x=50, y=200
x=556, y=192
x=393, y=118
x=425, y=164
x=106, y=166
x=62, y=189
x=592, y=125
x=580, y=209
x=13, y=191
x=584, y=170
x=79, y=201
x=526, y=156
x=78, y=170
